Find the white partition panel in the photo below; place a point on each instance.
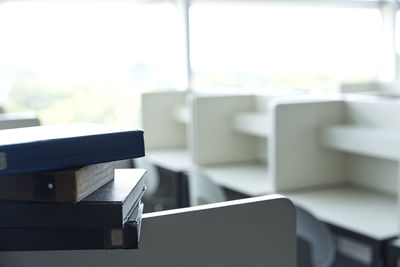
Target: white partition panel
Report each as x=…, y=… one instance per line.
x=250, y=232
x=215, y=140
x=18, y=120
x=373, y=173
x=376, y=167
x=296, y=158
x=355, y=142
x=162, y=117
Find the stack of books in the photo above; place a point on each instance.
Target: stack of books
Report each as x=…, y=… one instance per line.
x=59, y=189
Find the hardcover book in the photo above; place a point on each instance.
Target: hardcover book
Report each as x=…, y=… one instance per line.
x=35, y=239
x=68, y=185
x=109, y=206
x=55, y=147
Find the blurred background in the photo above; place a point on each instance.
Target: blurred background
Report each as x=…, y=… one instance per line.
x=90, y=60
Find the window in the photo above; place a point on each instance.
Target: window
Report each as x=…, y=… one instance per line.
x=259, y=46
x=87, y=61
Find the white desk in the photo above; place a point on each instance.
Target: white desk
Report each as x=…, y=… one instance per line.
x=360, y=210
x=251, y=179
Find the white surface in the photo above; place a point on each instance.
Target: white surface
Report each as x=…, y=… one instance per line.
x=256, y=124
x=374, y=113
x=250, y=232
x=375, y=142
x=374, y=173
x=214, y=139
x=174, y=159
x=182, y=114
x=18, y=120
x=354, y=208
x=161, y=129
x=380, y=114
x=296, y=159
x=247, y=178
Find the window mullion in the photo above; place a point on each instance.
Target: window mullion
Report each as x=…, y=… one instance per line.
x=387, y=71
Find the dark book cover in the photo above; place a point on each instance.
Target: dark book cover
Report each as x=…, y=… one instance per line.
x=67, y=185
x=36, y=239
x=55, y=147
x=109, y=206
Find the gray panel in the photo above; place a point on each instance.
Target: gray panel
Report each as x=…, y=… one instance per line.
x=251, y=232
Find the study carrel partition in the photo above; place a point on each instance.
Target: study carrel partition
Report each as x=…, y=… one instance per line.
x=164, y=120
x=339, y=159
x=165, y=115
x=230, y=137
x=250, y=232
x=18, y=120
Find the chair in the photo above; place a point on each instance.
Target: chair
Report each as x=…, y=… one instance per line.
x=152, y=177
x=315, y=238
x=202, y=190
x=158, y=195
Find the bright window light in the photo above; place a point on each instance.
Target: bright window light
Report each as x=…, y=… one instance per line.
x=87, y=61
x=259, y=46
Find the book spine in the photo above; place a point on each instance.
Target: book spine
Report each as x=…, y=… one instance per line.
x=44, y=186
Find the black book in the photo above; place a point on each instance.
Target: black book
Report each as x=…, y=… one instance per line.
x=55, y=147
x=35, y=239
x=109, y=206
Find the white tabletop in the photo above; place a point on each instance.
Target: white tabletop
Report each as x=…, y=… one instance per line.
x=247, y=178
x=360, y=210
x=174, y=159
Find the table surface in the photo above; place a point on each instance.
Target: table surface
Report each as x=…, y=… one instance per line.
x=354, y=208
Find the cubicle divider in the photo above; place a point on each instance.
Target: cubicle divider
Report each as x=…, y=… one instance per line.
x=230, y=141
x=223, y=135
x=344, y=164
x=251, y=232
x=297, y=159
x=18, y=120
x=163, y=119
x=337, y=156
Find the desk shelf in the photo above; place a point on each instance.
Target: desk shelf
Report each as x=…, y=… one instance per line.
x=363, y=211
x=380, y=143
x=255, y=124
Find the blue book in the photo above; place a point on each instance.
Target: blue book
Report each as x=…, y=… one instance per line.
x=46, y=148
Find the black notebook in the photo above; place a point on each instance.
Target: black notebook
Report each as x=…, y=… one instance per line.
x=46, y=148
x=34, y=239
x=109, y=206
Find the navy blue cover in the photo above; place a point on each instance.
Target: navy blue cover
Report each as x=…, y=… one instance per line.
x=45, y=148
x=36, y=239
